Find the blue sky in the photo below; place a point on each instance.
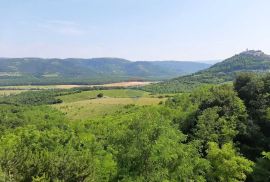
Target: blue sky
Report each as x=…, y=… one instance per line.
x=133, y=29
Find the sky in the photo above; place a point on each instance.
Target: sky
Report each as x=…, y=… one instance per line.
x=187, y=30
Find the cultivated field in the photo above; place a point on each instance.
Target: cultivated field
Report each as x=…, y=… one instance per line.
x=127, y=84
x=39, y=87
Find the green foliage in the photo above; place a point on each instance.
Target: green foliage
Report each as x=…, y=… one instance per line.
x=211, y=127
x=184, y=112
x=57, y=154
x=226, y=164
x=195, y=136
x=33, y=98
x=10, y=118
x=225, y=71
x=223, y=115
x=149, y=148
x=100, y=95
x=179, y=85
x=210, y=114
x=43, y=145
x=262, y=168
x=254, y=90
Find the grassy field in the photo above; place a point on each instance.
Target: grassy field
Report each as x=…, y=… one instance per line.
x=115, y=93
x=87, y=109
x=86, y=105
x=10, y=92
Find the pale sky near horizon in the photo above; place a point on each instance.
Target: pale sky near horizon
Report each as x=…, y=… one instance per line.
x=133, y=29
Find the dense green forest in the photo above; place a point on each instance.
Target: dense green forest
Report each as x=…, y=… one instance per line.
x=38, y=71
x=214, y=133
x=225, y=71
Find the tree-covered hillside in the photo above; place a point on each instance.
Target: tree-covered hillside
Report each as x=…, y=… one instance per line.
x=227, y=70
x=14, y=71
x=218, y=133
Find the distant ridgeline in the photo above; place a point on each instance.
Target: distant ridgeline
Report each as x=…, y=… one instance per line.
x=248, y=61
x=18, y=71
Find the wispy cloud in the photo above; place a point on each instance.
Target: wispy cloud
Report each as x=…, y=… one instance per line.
x=62, y=27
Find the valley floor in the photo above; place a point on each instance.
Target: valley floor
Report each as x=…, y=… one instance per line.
x=40, y=87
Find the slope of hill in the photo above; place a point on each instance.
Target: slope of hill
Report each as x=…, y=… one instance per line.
x=14, y=71
x=248, y=61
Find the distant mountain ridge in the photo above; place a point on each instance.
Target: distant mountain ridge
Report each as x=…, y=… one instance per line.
x=247, y=61
x=89, y=71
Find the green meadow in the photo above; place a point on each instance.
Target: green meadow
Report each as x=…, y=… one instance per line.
x=10, y=92
x=86, y=104
x=114, y=93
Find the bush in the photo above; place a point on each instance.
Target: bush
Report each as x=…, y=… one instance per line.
x=100, y=95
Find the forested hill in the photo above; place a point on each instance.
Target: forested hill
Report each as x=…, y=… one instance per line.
x=248, y=61
x=245, y=61
x=89, y=71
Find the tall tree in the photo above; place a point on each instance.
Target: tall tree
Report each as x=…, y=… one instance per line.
x=226, y=164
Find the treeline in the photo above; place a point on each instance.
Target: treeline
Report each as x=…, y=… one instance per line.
x=217, y=133
x=50, y=96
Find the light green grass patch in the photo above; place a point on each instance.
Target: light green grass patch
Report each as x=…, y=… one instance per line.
x=115, y=93
x=87, y=109
x=10, y=92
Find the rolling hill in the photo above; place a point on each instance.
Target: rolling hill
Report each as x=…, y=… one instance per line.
x=14, y=71
x=248, y=61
